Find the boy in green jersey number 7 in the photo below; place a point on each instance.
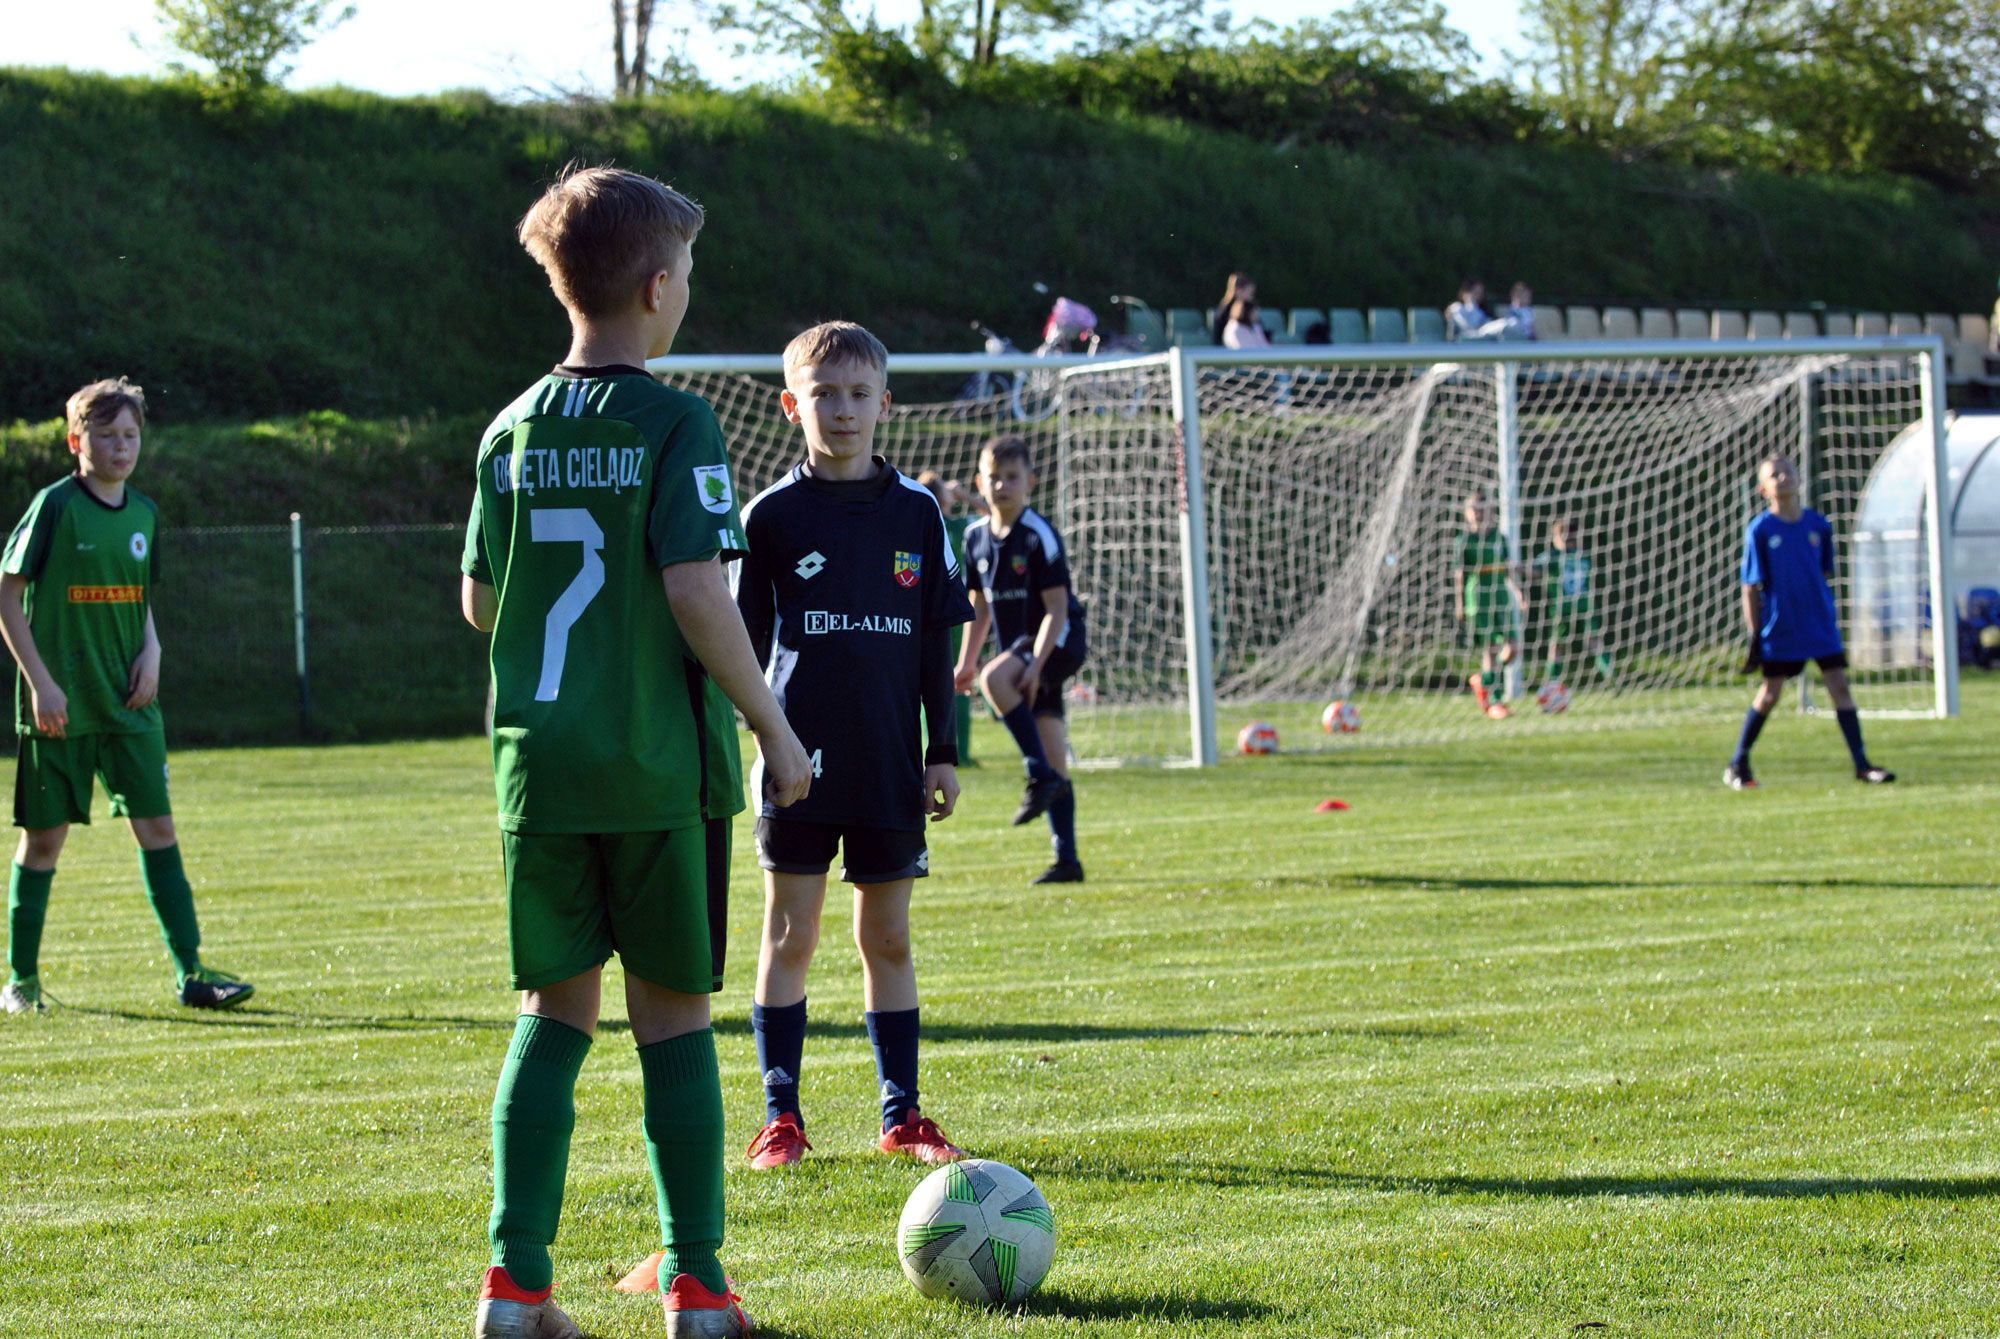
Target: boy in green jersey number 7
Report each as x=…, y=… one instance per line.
x=76, y=606
x=603, y=504
x=1488, y=600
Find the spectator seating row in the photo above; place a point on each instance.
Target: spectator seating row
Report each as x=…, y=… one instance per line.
x=1965, y=337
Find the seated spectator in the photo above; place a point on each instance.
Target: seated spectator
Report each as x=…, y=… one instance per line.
x=1319, y=332
x=1240, y=286
x=1243, y=330
x=1468, y=318
x=1520, y=313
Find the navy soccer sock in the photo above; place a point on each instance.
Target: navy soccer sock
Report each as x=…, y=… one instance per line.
x=1850, y=730
x=894, y=1037
x=781, y=1047
x=1062, y=822
x=1753, y=725
x=1020, y=722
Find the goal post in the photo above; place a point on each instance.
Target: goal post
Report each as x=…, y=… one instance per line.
x=1257, y=533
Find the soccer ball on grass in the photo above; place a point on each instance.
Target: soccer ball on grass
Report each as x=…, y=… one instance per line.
x=978, y=1231
x=1553, y=699
x=1257, y=737
x=1340, y=718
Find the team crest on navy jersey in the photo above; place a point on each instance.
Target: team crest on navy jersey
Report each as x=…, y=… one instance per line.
x=907, y=568
x=1020, y=564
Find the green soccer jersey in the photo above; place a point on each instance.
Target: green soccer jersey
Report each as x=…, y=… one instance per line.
x=1568, y=575
x=588, y=485
x=1483, y=559
x=91, y=569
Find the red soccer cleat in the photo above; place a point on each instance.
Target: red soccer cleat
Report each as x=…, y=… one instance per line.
x=780, y=1143
x=920, y=1138
x=1478, y=688
x=1499, y=711
x=693, y=1312
x=509, y=1311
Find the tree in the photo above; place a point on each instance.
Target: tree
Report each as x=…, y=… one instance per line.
x=246, y=43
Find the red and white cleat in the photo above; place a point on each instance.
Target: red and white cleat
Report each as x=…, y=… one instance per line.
x=780, y=1143
x=920, y=1138
x=508, y=1311
x=693, y=1312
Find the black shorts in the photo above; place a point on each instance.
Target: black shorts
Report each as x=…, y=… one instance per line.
x=1792, y=669
x=869, y=855
x=1064, y=661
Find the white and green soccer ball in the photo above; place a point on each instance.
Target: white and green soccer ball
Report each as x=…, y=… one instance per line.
x=978, y=1231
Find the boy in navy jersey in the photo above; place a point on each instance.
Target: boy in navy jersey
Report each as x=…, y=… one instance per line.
x=850, y=593
x=1788, y=605
x=1021, y=588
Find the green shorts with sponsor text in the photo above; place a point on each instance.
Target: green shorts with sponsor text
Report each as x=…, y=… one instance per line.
x=54, y=778
x=659, y=900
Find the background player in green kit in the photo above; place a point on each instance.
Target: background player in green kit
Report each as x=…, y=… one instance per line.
x=1566, y=569
x=1487, y=599
x=595, y=489
x=76, y=605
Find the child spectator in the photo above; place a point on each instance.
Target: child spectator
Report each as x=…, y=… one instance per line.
x=1240, y=288
x=1244, y=330
x=1520, y=313
x=1467, y=318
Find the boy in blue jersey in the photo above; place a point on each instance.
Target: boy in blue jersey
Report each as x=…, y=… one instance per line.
x=850, y=594
x=1021, y=588
x=1788, y=605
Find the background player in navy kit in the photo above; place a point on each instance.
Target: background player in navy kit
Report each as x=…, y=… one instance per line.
x=850, y=594
x=1020, y=586
x=1788, y=605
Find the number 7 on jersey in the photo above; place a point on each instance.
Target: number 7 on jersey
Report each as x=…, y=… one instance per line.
x=566, y=525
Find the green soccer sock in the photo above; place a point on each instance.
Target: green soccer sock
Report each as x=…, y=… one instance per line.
x=1555, y=671
x=1489, y=678
x=27, y=908
x=534, y=1110
x=173, y=904
x=684, y=1144
x=1604, y=663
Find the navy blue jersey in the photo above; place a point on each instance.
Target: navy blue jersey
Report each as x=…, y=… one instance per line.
x=1792, y=561
x=843, y=582
x=1014, y=571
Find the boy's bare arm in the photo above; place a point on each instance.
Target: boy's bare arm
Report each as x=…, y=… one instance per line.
x=51, y=704
x=1458, y=592
x=1055, y=618
x=975, y=641
x=144, y=684
x=708, y=618
x=479, y=602
x=1753, y=617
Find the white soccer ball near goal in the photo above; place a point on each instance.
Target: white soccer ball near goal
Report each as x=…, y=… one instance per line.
x=1340, y=718
x=1257, y=737
x=978, y=1231
x=1553, y=699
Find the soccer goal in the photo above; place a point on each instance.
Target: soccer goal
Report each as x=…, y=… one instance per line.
x=1257, y=534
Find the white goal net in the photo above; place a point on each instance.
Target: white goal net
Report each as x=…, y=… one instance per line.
x=1333, y=493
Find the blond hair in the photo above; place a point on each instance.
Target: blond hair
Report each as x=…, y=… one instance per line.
x=101, y=401
x=835, y=342
x=600, y=232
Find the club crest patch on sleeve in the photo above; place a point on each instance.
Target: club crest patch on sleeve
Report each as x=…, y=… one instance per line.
x=908, y=567
x=711, y=485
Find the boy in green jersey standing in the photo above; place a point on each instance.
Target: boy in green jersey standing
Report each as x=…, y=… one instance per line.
x=76, y=588
x=602, y=507
x=1487, y=597
x=1566, y=569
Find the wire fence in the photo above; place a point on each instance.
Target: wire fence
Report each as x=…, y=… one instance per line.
x=281, y=632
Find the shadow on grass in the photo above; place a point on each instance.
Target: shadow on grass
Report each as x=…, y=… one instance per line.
x=1058, y=1302
x=1237, y=1175
x=1485, y=884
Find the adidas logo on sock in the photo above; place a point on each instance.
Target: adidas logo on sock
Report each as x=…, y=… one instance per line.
x=890, y=1091
x=776, y=1077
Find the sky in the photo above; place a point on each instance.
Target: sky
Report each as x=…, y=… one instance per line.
x=507, y=47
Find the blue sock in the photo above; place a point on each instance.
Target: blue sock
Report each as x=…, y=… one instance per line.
x=1020, y=723
x=781, y=1046
x=1062, y=822
x=894, y=1037
x=1850, y=729
x=1753, y=725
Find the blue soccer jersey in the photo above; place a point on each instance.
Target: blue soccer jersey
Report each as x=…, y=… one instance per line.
x=1014, y=570
x=1792, y=562
x=844, y=582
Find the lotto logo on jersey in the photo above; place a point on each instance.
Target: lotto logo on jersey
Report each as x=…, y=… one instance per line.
x=906, y=568
x=820, y=623
x=711, y=483
x=107, y=594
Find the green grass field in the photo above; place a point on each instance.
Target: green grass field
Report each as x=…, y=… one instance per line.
x=1539, y=1035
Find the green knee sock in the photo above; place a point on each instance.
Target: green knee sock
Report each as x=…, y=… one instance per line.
x=1604, y=663
x=173, y=904
x=1555, y=671
x=684, y=1144
x=1489, y=678
x=534, y=1110
x=27, y=908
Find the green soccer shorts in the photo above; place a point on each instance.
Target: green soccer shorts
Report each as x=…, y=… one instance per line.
x=1574, y=616
x=1488, y=627
x=54, y=778
x=659, y=900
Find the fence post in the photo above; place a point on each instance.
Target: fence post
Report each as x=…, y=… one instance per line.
x=299, y=623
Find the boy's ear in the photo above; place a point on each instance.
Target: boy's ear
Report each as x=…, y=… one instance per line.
x=651, y=296
x=790, y=404
x=75, y=443
x=885, y=397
